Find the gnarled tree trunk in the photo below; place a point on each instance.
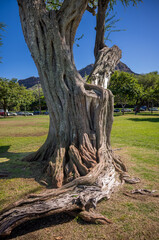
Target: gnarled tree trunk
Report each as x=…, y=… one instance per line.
x=77, y=152
x=80, y=114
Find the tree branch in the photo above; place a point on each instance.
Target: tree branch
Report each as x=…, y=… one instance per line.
x=99, y=42
x=105, y=63
x=38, y=5
x=33, y=36
x=69, y=17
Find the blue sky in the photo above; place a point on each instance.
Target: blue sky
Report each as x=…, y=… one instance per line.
x=139, y=43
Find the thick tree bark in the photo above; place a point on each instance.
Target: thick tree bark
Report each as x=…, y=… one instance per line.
x=80, y=114
x=77, y=152
x=104, y=66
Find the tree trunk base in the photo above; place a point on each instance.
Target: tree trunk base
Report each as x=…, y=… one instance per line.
x=79, y=196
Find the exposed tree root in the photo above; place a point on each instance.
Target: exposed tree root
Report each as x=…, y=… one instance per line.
x=96, y=176
x=122, y=170
x=131, y=180
x=141, y=192
x=79, y=195
x=93, y=217
x=79, y=162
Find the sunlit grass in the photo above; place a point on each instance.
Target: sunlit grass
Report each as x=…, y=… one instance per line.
x=138, y=136
x=138, y=131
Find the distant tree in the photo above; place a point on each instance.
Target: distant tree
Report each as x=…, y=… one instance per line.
x=39, y=102
x=13, y=95
x=156, y=92
x=125, y=88
x=26, y=97
x=150, y=84
x=8, y=93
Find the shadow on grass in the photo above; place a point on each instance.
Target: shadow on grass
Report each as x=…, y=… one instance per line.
x=41, y=223
x=144, y=119
x=12, y=164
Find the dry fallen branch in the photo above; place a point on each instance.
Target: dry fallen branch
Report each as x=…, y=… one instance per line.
x=144, y=192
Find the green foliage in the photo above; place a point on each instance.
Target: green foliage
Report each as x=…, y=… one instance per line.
x=138, y=131
x=53, y=4
x=78, y=39
x=13, y=95
x=150, y=84
x=8, y=93
x=125, y=3
x=110, y=24
x=26, y=97
x=93, y=4
x=87, y=79
x=110, y=20
x=2, y=26
x=39, y=100
x=125, y=88
x=140, y=90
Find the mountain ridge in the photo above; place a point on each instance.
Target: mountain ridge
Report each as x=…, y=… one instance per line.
x=31, y=81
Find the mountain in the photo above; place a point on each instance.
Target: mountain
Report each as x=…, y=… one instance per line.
x=120, y=67
x=86, y=71
x=31, y=81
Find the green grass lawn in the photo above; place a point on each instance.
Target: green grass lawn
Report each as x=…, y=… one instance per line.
x=137, y=137
x=136, y=130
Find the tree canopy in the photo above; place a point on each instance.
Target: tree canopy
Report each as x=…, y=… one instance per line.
x=12, y=95
x=150, y=84
x=125, y=88
x=92, y=4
